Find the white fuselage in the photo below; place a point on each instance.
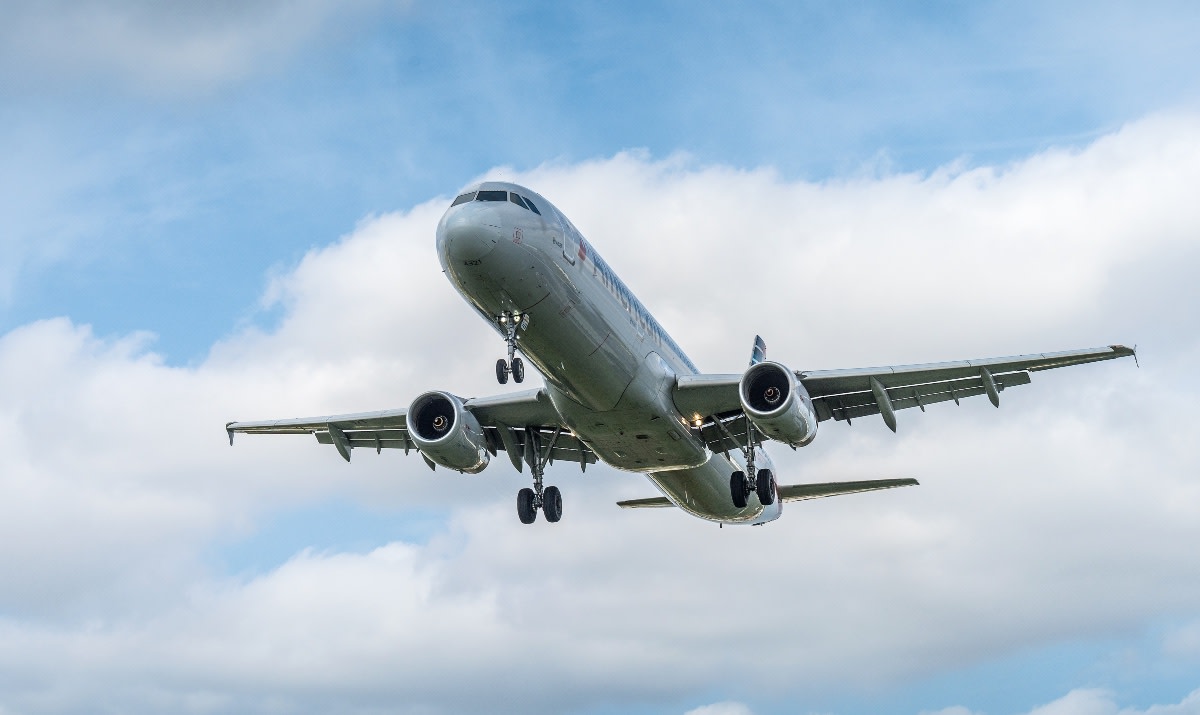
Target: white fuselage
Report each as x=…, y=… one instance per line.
x=609, y=366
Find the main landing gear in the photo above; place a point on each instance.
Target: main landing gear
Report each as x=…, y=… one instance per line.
x=758, y=481
x=548, y=499
x=510, y=323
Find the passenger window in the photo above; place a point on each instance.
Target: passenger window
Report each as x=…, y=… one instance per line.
x=517, y=200
x=531, y=206
x=492, y=196
x=463, y=198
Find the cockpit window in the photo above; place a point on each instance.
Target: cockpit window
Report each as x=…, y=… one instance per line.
x=492, y=196
x=531, y=206
x=463, y=198
x=517, y=200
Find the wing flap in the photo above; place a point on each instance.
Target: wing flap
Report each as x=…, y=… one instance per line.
x=831, y=382
x=377, y=439
x=861, y=404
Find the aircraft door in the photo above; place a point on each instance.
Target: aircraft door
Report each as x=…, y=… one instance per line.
x=570, y=245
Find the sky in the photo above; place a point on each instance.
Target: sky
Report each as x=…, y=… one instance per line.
x=220, y=211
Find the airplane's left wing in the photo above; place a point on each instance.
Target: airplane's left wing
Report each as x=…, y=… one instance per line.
x=514, y=423
x=713, y=405
x=846, y=394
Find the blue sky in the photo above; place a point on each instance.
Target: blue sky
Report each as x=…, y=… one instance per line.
x=137, y=182
x=220, y=212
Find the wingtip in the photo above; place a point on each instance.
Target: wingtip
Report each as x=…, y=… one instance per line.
x=1126, y=351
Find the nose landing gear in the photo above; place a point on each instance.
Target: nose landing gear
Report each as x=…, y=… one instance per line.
x=510, y=323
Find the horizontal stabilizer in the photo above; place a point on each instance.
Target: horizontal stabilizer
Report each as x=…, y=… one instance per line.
x=793, y=492
x=800, y=492
x=651, y=503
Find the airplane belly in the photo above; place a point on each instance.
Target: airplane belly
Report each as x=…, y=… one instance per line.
x=644, y=432
x=704, y=492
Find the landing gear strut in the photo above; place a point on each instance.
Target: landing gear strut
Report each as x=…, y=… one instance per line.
x=548, y=499
x=757, y=481
x=510, y=323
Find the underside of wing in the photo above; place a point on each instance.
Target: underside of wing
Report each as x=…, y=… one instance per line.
x=713, y=407
x=846, y=394
x=793, y=492
x=800, y=492
x=648, y=503
x=524, y=424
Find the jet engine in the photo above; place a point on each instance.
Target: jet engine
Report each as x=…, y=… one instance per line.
x=447, y=433
x=778, y=405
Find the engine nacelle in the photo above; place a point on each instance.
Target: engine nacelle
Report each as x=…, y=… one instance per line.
x=778, y=405
x=447, y=433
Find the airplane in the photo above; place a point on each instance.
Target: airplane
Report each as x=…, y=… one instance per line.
x=619, y=390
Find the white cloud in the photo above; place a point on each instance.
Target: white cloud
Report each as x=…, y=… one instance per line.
x=1183, y=642
x=171, y=49
x=725, y=708
x=1095, y=701
x=1069, y=513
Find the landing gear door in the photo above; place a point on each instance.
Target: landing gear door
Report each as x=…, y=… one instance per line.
x=570, y=246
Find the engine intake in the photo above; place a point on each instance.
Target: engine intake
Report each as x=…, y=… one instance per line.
x=777, y=404
x=447, y=432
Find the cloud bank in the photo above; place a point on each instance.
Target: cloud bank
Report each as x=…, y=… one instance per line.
x=1070, y=513
x=175, y=49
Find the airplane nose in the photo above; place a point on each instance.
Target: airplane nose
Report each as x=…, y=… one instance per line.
x=469, y=241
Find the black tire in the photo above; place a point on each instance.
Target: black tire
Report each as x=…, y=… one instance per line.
x=502, y=372
x=552, y=504
x=525, y=511
x=766, y=487
x=518, y=370
x=737, y=489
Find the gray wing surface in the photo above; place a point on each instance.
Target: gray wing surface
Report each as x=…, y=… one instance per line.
x=793, y=492
x=800, y=492
x=859, y=392
x=515, y=423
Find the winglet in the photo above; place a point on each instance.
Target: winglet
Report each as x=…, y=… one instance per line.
x=229, y=431
x=759, y=352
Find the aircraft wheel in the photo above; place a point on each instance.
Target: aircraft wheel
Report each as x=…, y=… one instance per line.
x=737, y=489
x=502, y=372
x=525, y=511
x=518, y=370
x=552, y=504
x=766, y=487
